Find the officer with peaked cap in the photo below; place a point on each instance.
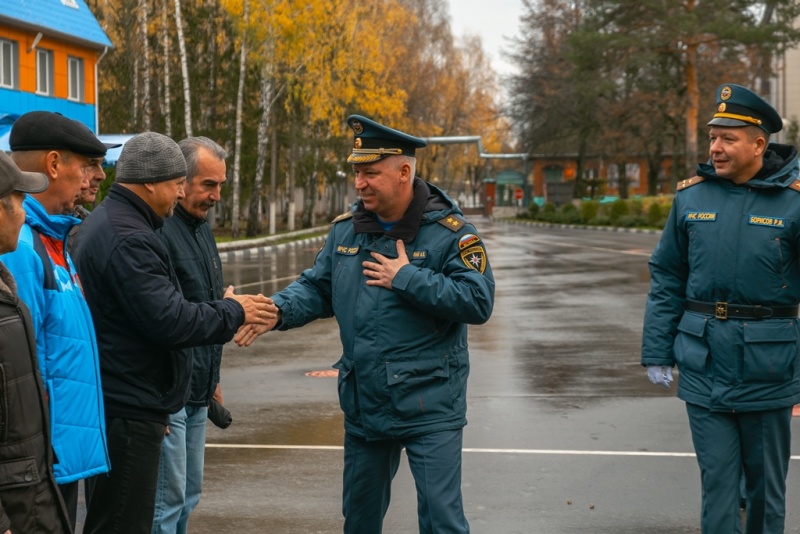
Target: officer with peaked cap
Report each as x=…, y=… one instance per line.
x=723, y=308
x=404, y=274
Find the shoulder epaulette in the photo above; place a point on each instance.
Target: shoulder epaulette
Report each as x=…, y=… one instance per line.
x=343, y=216
x=452, y=222
x=694, y=180
x=795, y=185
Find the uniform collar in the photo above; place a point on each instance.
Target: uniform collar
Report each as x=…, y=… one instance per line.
x=365, y=222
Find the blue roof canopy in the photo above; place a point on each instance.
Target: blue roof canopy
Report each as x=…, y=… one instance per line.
x=70, y=19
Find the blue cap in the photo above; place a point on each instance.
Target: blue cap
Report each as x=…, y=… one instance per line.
x=373, y=141
x=738, y=106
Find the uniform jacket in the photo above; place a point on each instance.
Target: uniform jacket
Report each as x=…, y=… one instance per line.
x=29, y=498
x=736, y=244
x=194, y=256
x=404, y=367
x=144, y=325
x=65, y=341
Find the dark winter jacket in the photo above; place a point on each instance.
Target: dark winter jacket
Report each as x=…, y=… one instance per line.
x=404, y=367
x=194, y=256
x=29, y=498
x=144, y=324
x=738, y=244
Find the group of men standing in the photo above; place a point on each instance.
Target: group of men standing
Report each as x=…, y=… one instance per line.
x=129, y=314
x=404, y=274
x=129, y=334
x=128, y=348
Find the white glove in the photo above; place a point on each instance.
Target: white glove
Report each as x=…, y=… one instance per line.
x=660, y=375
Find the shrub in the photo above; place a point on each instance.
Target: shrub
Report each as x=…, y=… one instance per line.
x=570, y=214
x=600, y=220
x=549, y=213
x=631, y=221
x=636, y=207
x=619, y=208
x=655, y=215
x=589, y=210
x=533, y=210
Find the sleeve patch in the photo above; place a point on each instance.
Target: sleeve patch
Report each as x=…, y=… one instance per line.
x=474, y=258
x=468, y=240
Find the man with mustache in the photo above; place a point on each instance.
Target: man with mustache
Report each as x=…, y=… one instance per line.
x=193, y=252
x=145, y=327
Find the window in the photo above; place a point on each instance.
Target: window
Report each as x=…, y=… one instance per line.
x=8, y=64
x=75, y=76
x=631, y=173
x=44, y=72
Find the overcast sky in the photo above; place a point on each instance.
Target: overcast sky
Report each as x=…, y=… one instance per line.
x=491, y=19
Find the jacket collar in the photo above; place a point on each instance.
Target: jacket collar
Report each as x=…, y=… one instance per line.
x=189, y=219
x=8, y=286
x=406, y=228
x=36, y=217
x=122, y=194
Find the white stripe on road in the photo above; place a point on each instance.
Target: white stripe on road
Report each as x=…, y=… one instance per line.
x=551, y=452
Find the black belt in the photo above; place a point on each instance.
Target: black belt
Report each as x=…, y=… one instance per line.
x=726, y=310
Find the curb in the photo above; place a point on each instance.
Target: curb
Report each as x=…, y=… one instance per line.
x=583, y=227
x=264, y=250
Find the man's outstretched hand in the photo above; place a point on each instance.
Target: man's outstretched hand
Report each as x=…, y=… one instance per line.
x=258, y=309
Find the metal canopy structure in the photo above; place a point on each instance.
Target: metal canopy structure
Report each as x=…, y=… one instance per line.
x=473, y=139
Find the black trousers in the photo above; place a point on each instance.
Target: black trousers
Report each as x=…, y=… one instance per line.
x=69, y=492
x=123, y=500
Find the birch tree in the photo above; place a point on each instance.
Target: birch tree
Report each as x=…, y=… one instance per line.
x=166, y=47
x=187, y=93
x=146, y=78
x=237, y=156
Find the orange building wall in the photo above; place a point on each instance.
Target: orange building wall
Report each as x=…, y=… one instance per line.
x=570, y=166
x=61, y=50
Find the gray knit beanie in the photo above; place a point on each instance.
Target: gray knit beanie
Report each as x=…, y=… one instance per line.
x=150, y=157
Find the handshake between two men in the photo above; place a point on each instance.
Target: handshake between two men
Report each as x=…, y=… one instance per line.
x=260, y=315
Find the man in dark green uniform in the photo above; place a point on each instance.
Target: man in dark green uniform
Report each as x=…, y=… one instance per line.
x=403, y=273
x=723, y=307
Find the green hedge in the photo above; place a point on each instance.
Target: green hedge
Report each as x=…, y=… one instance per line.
x=646, y=212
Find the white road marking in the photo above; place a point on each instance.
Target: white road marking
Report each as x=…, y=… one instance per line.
x=550, y=452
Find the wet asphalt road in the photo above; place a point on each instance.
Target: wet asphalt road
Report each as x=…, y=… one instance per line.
x=565, y=433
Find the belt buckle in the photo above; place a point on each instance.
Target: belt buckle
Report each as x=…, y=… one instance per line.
x=721, y=310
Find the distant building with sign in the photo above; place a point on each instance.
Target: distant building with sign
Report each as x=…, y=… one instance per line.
x=49, y=53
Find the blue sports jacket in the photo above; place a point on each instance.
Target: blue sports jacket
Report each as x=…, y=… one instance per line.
x=737, y=244
x=65, y=342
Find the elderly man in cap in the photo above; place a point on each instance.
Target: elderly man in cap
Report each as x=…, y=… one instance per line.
x=404, y=274
x=723, y=307
x=145, y=327
x=48, y=283
x=27, y=503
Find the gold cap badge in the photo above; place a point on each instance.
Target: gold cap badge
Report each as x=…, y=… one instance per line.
x=726, y=92
x=357, y=143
